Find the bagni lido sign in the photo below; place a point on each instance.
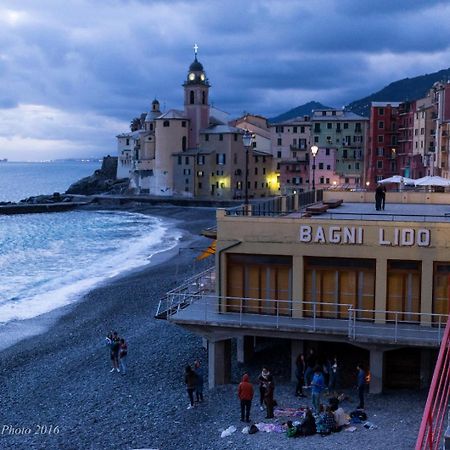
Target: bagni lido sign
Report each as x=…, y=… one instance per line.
x=402, y=237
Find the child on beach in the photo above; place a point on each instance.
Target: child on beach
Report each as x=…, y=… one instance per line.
x=123, y=356
x=113, y=342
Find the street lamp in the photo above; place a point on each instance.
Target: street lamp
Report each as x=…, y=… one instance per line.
x=314, y=150
x=247, y=139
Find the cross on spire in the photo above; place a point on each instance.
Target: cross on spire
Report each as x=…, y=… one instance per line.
x=195, y=50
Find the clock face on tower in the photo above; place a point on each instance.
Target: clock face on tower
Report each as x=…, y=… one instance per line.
x=202, y=77
x=192, y=76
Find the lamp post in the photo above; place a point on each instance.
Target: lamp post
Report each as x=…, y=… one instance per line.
x=247, y=139
x=314, y=150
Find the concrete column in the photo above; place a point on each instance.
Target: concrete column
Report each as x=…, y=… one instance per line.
x=283, y=203
x=425, y=368
x=219, y=362
x=296, y=349
x=381, y=290
x=426, y=300
x=296, y=202
x=376, y=371
x=245, y=348
x=205, y=343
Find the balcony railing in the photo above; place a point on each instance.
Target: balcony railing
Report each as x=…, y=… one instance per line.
x=186, y=306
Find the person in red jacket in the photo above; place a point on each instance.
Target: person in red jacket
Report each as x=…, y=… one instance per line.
x=245, y=394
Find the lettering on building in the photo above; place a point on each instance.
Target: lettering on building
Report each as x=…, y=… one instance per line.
x=401, y=237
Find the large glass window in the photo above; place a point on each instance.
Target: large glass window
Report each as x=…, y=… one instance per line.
x=333, y=284
x=259, y=284
x=403, y=290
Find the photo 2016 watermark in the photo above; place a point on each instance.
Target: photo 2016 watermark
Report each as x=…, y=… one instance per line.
x=10, y=430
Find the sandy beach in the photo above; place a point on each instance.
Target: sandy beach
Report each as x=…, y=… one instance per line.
x=61, y=378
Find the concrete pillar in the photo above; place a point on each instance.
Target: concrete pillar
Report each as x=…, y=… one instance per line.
x=425, y=368
x=297, y=286
x=296, y=349
x=244, y=348
x=205, y=343
x=219, y=362
x=376, y=371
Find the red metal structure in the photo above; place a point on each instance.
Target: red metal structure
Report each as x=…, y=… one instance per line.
x=433, y=420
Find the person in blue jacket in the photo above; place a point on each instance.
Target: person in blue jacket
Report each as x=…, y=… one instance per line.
x=317, y=387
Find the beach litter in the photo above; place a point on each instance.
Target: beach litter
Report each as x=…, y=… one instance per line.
x=370, y=425
x=350, y=429
x=228, y=432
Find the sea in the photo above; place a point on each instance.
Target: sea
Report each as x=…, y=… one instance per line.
x=50, y=260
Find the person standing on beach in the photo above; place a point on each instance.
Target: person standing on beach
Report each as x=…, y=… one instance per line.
x=190, y=379
x=199, y=386
x=245, y=394
x=361, y=384
x=123, y=356
x=311, y=361
x=317, y=385
x=113, y=342
x=269, y=389
x=300, y=366
x=262, y=379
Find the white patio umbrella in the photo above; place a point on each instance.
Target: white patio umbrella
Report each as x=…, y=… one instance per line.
x=432, y=181
x=397, y=179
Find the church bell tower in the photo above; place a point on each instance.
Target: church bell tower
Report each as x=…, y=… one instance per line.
x=196, y=102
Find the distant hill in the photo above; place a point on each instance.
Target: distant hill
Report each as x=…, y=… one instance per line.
x=398, y=91
x=303, y=110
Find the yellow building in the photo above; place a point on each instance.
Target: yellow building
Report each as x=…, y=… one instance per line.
x=377, y=280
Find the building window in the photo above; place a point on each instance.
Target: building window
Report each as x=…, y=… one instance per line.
x=183, y=123
x=179, y=160
x=186, y=160
x=256, y=171
x=339, y=281
x=302, y=129
x=235, y=137
x=381, y=111
x=345, y=125
x=316, y=139
x=328, y=167
x=186, y=181
x=201, y=160
x=128, y=142
x=278, y=154
x=220, y=137
x=200, y=173
x=264, y=170
x=279, y=129
x=166, y=123
x=403, y=290
x=358, y=127
x=294, y=129
x=380, y=124
x=183, y=143
x=220, y=158
x=255, y=278
x=200, y=185
x=380, y=138
x=279, y=141
x=327, y=152
x=440, y=288
x=204, y=98
x=322, y=179
x=380, y=151
x=379, y=164
x=191, y=97
x=327, y=180
x=329, y=125
x=321, y=166
x=317, y=128
x=206, y=137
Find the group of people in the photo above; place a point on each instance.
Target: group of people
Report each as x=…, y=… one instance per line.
x=380, y=197
x=118, y=352
x=325, y=376
x=193, y=379
x=266, y=394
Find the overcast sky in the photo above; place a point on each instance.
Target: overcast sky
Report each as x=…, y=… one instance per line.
x=74, y=72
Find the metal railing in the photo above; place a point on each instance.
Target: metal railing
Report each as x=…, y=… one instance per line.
x=436, y=407
x=275, y=207
x=187, y=305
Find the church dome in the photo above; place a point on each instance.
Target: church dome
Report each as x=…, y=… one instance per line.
x=196, y=66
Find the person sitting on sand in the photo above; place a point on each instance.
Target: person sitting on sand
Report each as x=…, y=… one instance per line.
x=308, y=425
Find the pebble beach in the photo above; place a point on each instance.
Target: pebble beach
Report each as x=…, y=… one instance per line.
x=57, y=391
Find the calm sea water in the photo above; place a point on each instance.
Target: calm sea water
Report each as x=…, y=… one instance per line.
x=50, y=260
x=19, y=180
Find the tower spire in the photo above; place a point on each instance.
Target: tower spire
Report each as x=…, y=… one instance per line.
x=195, y=50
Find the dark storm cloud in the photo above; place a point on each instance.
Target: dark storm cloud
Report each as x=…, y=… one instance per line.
x=80, y=70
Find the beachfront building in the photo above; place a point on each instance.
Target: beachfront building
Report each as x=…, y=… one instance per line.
x=342, y=137
x=383, y=141
x=291, y=142
x=371, y=287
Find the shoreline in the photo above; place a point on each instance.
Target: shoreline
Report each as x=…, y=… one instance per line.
x=14, y=331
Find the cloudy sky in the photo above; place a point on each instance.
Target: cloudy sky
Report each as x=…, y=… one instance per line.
x=74, y=72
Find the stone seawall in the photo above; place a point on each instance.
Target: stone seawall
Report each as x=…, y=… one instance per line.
x=38, y=208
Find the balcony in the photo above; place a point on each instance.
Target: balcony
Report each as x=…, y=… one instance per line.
x=195, y=304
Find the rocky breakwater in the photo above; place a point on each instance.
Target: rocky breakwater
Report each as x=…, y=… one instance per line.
x=41, y=203
x=102, y=181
